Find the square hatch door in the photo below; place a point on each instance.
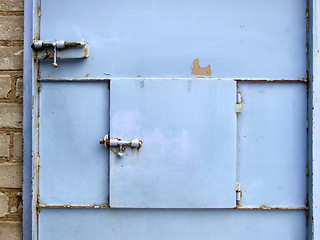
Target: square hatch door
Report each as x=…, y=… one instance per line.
x=188, y=155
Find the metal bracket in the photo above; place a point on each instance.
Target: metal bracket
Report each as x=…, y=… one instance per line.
x=60, y=49
x=117, y=142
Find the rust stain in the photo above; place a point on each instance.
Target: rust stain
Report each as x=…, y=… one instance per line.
x=265, y=207
x=239, y=191
x=197, y=70
x=140, y=144
x=105, y=142
x=39, y=87
x=74, y=44
x=86, y=51
x=138, y=149
x=239, y=206
x=39, y=10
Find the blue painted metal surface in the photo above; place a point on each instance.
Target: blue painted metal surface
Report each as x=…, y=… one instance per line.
x=239, y=39
x=272, y=144
x=73, y=166
x=188, y=156
x=314, y=121
x=27, y=122
x=249, y=40
x=83, y=224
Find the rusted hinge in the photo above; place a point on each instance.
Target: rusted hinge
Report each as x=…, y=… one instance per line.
x=238, y=193
x=239, y=102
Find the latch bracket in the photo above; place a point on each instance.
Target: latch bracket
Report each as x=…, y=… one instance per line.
x=60, y=49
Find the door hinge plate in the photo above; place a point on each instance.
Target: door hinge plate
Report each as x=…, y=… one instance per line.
x=239, y=102
x=238, y=192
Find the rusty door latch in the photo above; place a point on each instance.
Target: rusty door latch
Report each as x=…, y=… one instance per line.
x=117, y=142
x=60, y=49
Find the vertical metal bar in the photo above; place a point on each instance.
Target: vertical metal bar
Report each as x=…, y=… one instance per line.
x=314, y=121
x=27, y=123
x=35, y=122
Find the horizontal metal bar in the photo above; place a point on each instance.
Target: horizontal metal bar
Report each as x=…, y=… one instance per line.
x=199, y=78
x=40, y=44
x=264, y=207
x=44, y=205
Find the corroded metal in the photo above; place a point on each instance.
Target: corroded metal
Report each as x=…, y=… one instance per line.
x=35, y=122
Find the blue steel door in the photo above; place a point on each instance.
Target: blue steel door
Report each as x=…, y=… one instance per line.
x=215, y=90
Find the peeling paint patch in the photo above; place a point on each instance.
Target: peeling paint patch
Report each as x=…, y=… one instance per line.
x=197, y=70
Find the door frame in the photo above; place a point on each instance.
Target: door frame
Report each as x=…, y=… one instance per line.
x=32, y=15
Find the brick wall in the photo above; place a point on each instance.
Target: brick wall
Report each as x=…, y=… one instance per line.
x=11, y=87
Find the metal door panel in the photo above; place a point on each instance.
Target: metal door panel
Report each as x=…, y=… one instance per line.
x=239, y=39
x=187, y=159
x=137, y=224
x=194, y=147
x=73, y=166
x=272, y=144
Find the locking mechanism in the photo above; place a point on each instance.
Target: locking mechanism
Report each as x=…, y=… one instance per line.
x=60, y=49
x=117, y=142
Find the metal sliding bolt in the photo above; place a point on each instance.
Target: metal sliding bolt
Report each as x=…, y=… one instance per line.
x=54, y=64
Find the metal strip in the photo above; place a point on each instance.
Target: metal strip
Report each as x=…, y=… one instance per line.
x=199, y=78
x=35, y=122
x=27, y=123
x=314, y=121
x=263, y=207
x=44, y=205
